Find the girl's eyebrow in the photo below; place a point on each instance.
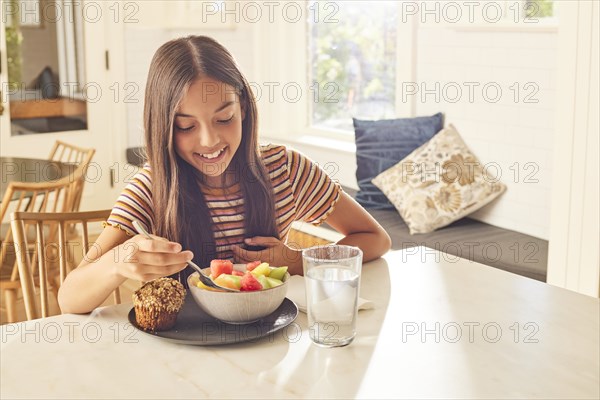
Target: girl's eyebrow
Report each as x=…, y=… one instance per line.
x=222, y=107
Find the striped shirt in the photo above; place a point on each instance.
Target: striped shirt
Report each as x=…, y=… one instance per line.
x=302, y=189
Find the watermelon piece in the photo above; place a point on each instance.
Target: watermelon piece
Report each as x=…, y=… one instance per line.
x=251, y=265
x=237, y=273
x=250, y=283
x=218, y=267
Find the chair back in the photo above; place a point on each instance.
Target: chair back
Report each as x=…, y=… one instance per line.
x=68, y=153
x=32, y=197
x=48, y=252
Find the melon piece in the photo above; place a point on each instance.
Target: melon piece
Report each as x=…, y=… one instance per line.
x=229, y=281
x=237, y=273
x=273, y=282
x=194, y=280
x=263, y=281
x=218, y=267
x=262, y=269
x=251, y=265
x=250, y=283
x=278, y=273
x=203, y=286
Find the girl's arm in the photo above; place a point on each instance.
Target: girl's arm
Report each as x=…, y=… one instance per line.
x=361, y=230
x=114, y=258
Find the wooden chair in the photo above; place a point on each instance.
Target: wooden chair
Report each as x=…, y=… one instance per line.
x=63, y=195
x=68, y=153
x=20, y=196
x=32, y=277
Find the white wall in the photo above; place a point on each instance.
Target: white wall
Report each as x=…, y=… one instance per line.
x=502, y=129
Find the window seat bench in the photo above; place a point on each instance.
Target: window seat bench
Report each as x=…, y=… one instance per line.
x=471, y=239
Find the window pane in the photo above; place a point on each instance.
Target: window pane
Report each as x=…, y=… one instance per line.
x=352, y=55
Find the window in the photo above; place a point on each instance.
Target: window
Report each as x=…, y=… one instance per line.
x=352, y=62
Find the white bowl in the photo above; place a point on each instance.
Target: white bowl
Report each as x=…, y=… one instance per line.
x=238, y=307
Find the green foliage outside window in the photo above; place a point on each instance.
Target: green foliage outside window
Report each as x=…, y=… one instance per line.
x=539, y=8
x=353, y=58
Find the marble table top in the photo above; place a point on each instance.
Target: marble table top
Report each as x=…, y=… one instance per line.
x=442, y=327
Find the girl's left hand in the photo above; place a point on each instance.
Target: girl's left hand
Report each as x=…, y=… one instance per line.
x=276, y=254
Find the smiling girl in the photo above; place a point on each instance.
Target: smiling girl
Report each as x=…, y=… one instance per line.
x=208, y=189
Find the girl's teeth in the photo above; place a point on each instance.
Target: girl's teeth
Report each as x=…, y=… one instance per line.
x=212, y=155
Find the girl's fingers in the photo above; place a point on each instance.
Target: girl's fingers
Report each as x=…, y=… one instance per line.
x=241, y=255
x=162, y=259
x=149, y=272
x=156, y=245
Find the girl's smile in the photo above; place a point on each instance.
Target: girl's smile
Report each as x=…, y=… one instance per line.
x=215, y=156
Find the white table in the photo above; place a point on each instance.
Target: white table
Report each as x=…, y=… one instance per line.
x=520, y=338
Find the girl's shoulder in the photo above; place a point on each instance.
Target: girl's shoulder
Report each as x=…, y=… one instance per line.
x=272, y=151
x=277, y=157
x=273, y=155
x=278, y=153
x=140, y=177
x=144, y=172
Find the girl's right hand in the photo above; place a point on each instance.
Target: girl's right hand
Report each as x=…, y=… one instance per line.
x=144, y=259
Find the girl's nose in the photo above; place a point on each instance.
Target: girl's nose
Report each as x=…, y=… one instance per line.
x=207, y=137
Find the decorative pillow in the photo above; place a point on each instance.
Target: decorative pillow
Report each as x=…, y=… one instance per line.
x=381, y=144
x=438, y=183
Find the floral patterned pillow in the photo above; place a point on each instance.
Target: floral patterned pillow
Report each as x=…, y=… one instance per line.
x=438, y=183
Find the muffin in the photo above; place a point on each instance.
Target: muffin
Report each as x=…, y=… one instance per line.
x=157, y=304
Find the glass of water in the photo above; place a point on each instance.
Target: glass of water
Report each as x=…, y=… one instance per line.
x=332, y=275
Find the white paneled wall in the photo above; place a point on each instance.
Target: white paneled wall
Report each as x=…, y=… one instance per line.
x=140, y=45
x=511, y=131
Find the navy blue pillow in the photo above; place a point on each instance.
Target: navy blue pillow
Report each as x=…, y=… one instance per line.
x=382, y=144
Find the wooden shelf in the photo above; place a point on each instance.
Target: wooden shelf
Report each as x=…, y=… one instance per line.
x=47, y=108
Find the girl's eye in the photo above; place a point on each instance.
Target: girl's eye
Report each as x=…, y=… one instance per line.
x=180, y=129
x=225, y=121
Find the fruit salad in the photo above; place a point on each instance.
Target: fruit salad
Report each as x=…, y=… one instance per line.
x=257, y=276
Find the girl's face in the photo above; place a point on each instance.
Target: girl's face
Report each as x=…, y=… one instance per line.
x=208, y=127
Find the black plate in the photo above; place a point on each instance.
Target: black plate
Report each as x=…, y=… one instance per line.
x=196, y=327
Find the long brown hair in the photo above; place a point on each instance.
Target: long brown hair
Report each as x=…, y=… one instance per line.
x=180, y=210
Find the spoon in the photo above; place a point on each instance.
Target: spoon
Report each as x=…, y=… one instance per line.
x=205, y=279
